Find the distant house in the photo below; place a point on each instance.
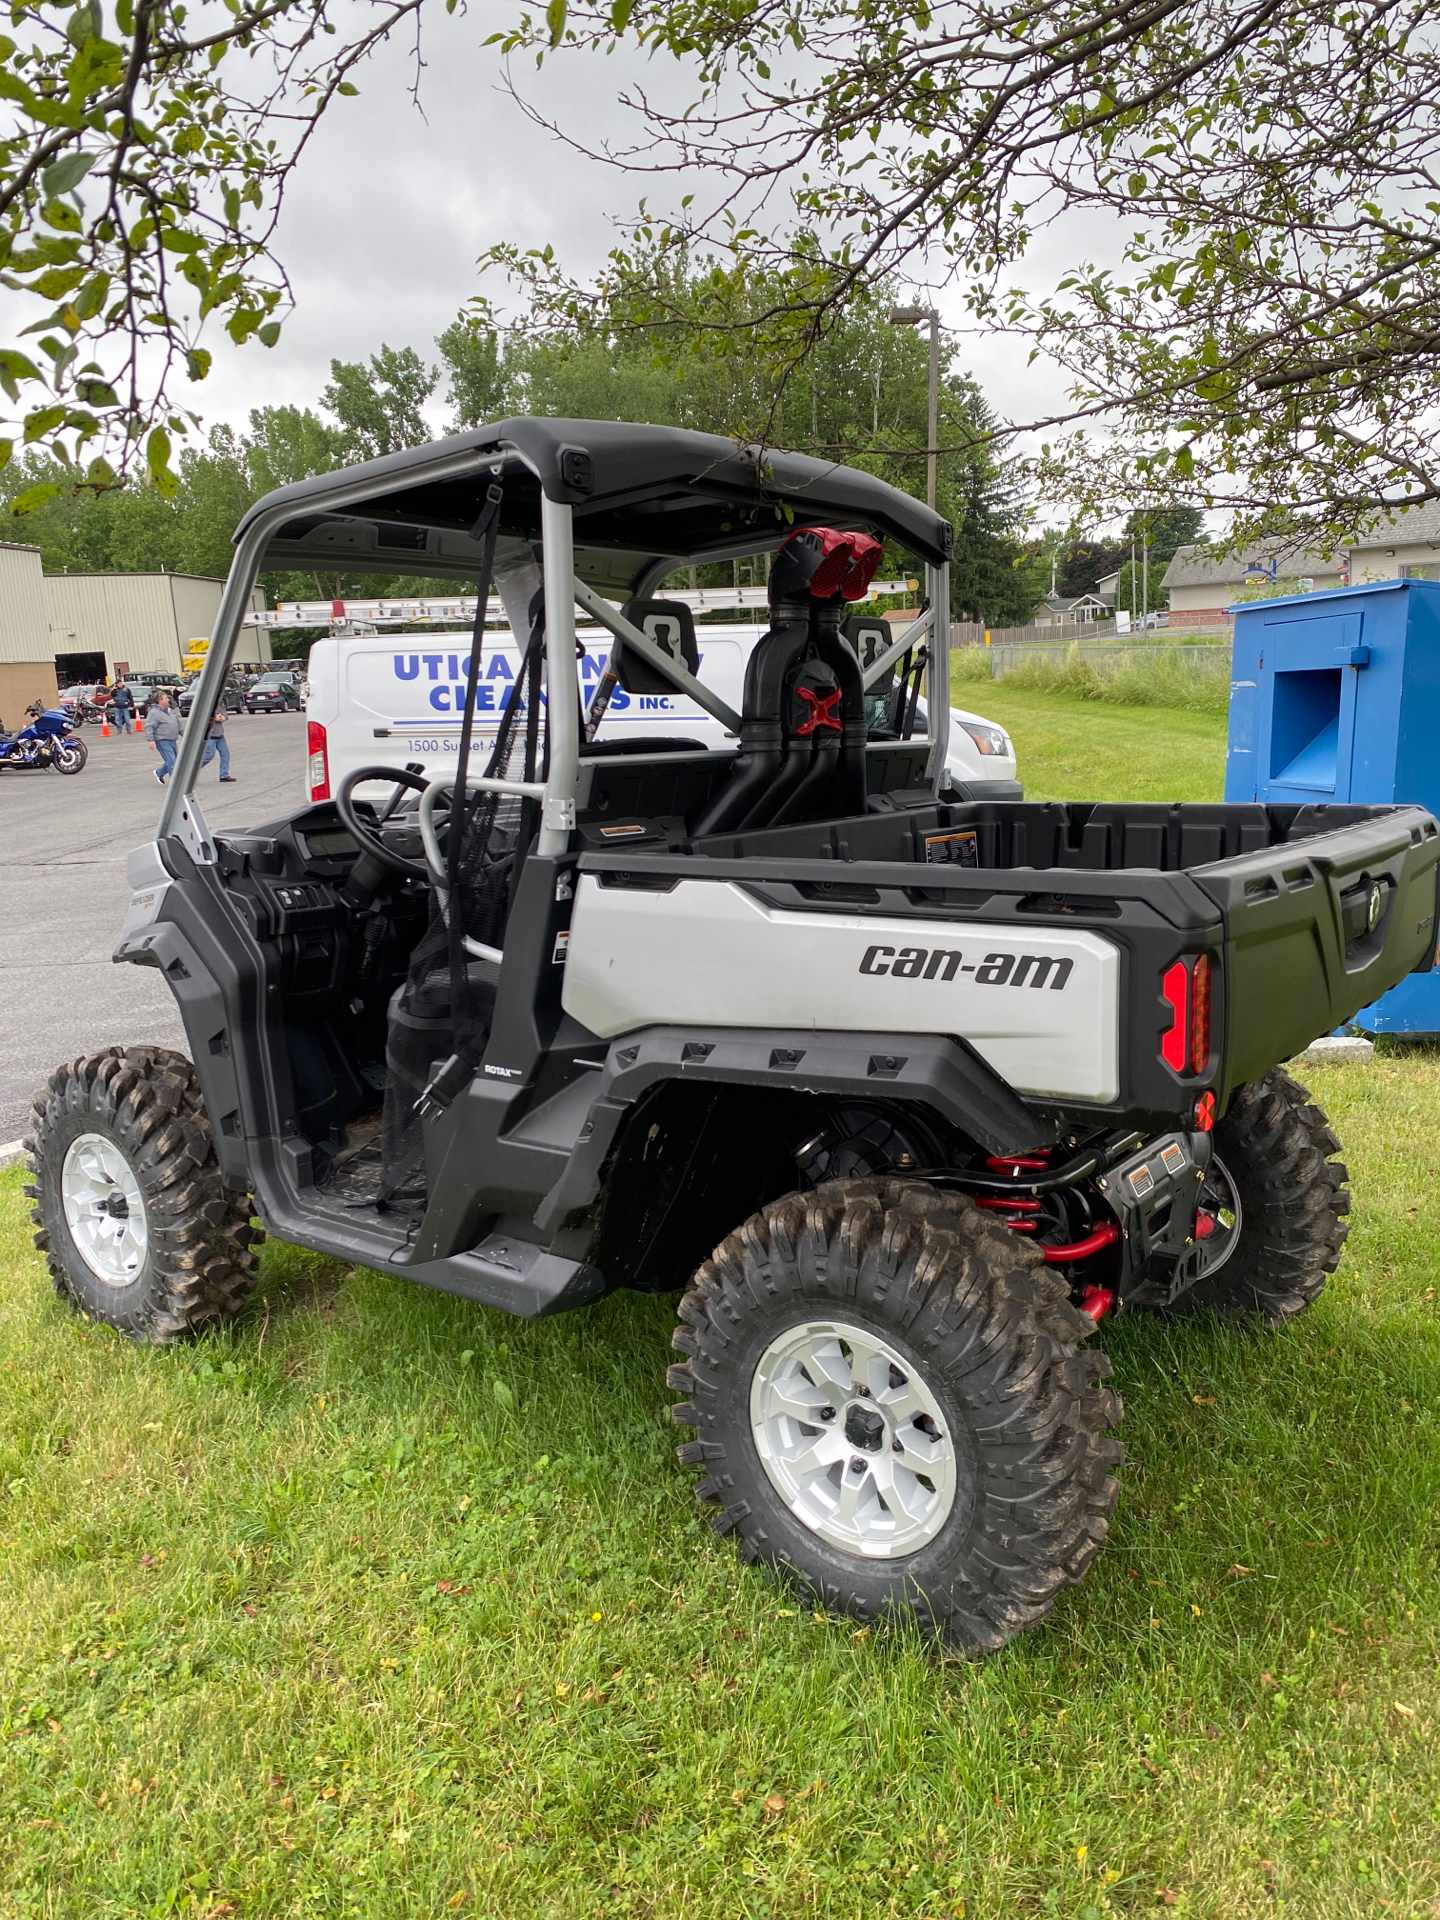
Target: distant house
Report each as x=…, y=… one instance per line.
x=1405, y=547
x=1059, y=612
x=1203, y=584
x=1107, y=587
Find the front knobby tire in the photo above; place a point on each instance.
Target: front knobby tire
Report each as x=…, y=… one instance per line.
x=894, y=1409
x=136, y=1226
x=1287, y=1197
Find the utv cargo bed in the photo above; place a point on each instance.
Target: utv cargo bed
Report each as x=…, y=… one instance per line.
x=1305, y=912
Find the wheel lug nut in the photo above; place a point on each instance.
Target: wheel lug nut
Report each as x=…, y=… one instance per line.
x=896, y=1447
x=827, y=1413
x=857, y=1466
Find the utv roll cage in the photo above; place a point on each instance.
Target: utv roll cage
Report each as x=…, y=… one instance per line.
x=613, y=509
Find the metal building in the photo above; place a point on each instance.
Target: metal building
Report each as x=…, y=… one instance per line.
x=27, y=666
x=101, y=622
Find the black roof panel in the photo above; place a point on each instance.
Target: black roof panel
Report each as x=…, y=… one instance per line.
x=641, y=494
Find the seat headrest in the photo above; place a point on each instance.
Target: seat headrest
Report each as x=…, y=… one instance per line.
x=671, y=625
x=869, y=636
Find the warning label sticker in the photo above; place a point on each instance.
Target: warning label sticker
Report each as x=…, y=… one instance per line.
x=952, y=849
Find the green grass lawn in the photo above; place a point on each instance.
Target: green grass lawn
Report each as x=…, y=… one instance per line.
x=1071, y=749
x=383, y=1605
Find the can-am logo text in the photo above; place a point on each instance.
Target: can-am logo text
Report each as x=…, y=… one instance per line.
x=945, y=963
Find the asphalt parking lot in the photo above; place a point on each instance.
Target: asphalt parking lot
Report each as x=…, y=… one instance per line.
x=67, y=839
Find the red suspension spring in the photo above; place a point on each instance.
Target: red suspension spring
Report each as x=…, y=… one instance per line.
x=1019, y=1212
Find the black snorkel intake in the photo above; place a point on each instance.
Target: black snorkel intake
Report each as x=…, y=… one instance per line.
x=788, y=727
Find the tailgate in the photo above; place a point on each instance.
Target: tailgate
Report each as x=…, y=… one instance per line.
x=1320, y=927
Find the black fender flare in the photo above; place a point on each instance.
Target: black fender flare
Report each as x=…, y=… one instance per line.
x=937, y=1070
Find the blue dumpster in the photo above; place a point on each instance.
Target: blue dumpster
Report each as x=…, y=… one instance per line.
x=1336, y=697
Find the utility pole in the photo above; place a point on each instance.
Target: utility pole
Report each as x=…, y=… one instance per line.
x=1146, y=590
x=914, y=317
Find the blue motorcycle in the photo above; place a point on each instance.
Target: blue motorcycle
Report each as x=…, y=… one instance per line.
x=48, y=741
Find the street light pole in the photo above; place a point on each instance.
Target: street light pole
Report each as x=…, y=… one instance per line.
x=914, y=317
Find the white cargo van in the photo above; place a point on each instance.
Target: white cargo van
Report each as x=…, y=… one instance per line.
x=392, y=700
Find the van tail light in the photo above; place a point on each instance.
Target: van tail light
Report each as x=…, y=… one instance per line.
x=1185, y=1045
x=319, y=761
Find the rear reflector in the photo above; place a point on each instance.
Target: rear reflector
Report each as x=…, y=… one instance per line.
x=1200, y=1015
x=319, y=764
x=1175, y=1045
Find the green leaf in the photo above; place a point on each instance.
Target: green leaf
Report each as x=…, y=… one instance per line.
x=34, y=497
x=620, y=14
x=197, y=362
x=85, y=24
x=348, y=88
x=555, y=19
x=66, y=173
x=17, y=366
x=97, y=393
x=269, y=333
x=157, y=462
x=100, y=473
x=91, y=297
x=7, y=448
x=42, y=421
x=504, y=1394
x=60, y=214
x=56, y=281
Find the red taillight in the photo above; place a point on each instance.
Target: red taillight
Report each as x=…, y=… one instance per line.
x=1200, y=1015
x=319, y=761
x=1185, y=1045
x=1174, y=1045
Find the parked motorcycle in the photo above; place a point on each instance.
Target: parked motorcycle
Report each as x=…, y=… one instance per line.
x=89, y=712
x=48, y=741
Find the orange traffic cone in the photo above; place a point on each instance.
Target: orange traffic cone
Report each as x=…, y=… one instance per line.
x=104, y=724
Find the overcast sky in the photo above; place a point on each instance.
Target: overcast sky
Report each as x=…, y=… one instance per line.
x=391, y=208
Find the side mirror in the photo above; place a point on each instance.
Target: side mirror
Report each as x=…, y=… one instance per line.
x=671, y=625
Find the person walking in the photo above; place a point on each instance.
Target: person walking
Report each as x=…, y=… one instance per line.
x=163, y=726
x=124, y=706
x=217, y=743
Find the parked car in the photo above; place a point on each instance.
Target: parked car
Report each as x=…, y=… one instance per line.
x=148, y=682
x=232, y=697
x=273, y=693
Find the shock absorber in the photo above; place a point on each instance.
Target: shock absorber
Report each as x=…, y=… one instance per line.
x=1019, y=1212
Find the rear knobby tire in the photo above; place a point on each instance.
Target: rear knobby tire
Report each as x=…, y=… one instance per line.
x=191, y=1263
x=1277, y=1147
x=982, y=1332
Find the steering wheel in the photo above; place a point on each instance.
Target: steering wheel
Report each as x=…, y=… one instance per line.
x=371, y=840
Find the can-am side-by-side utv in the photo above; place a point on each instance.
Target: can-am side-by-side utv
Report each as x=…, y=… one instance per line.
x=902, y=1086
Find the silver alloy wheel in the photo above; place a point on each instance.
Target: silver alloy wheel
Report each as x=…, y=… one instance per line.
x=1219, y=1197
x=104, y=1209
x=852, y=1439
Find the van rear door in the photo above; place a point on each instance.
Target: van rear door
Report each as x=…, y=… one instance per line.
x=391, y=701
